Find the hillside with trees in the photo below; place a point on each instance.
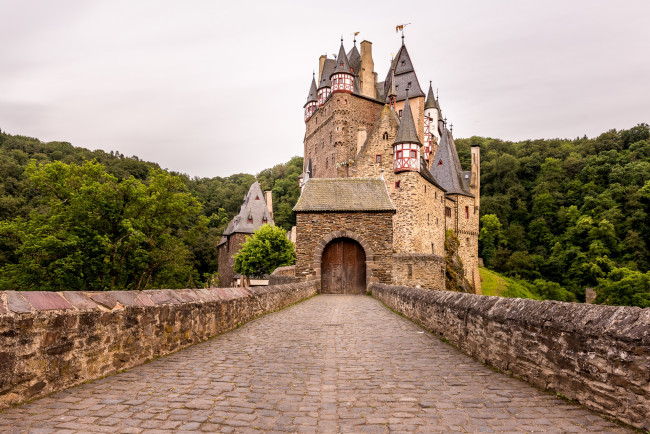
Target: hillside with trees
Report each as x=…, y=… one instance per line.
x=565, y=215
x=557, y=216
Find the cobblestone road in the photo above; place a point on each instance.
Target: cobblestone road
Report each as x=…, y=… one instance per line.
x=330, y=364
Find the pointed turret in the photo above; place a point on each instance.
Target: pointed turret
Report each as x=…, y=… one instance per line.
x=431, y=102
x=406, y=148
x=430, y=123
x=325, y=84
x=446, y=167
x=312, y=100
x=392, y=92
x=354, y=59
x=342, y=77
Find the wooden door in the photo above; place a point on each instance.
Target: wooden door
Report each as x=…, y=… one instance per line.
x=343, y=268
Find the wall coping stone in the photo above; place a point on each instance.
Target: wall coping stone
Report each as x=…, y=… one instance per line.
x=598, y=355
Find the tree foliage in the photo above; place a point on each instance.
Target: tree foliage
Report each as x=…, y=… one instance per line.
x=268, y=249
x=572, y=212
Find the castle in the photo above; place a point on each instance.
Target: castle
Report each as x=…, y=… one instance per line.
x=382, y=182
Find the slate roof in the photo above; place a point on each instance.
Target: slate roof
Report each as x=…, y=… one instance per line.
x=402, y=67
x=407, y=132
x=328, y=69
x=254, y=206
x=431, y=100
x=446, y=168
x=344, y=194
x=342, y=64
x=355, y=59
x=313, y=92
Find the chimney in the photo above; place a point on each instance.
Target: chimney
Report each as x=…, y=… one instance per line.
x=475, y=178
x=367, y=73
x=321, y=62
x=268, y=198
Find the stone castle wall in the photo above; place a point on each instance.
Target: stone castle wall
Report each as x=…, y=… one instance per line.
x=226, y=262
x=333, y=131
x=51, y=341
x=467, y=232
x=412, y=269
x=597, y=355
x=373, y=230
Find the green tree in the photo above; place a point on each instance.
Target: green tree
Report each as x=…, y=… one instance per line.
x=624, y=287
x=268, y=249
x=92, y=231
x=489, y=236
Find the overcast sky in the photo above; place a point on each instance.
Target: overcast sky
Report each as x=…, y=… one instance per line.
x=212, y=88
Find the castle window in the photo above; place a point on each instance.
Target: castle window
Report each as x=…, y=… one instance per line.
x=399, y=154
x=433, y=251
x=412, y=154
x=466, y=212
x=378, y=158
x=440, y=163
x=327, y=163
x=400, y=113
x=448, y=211
x=396, y=184
x=250, y=219
x=385, y=136
x=257, y=198
x=346, y=102
x=409, y=271
x=338, y=101
x=330, y=137
x=425, y=188
x=264, y=220
x=436, y=195
x=436, y=220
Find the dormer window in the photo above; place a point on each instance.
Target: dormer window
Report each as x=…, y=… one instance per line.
x=250, y=219
x=257, y=197
x=264, y=220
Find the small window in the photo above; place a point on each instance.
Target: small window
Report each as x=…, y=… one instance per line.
x=264, y=220
x=257, y=197
x=400, y=113
x=338, y=101
x=412, y=154
x=433, y=251
x=346, y=102
x=330, y=137
x=466, y=212
x=399, y=154
x=396, y=184
x=378, y=158
x=448, y=211
x=425, y=188
x=327, y=163
x=439, y=162
x=409, y=271
x=436, y=195
x=250, y=219
x=436, y=220
x=385, y=136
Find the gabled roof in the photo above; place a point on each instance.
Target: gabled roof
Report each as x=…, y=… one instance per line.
x=407, y=132
x=254, y=206
x=446, y=168
x=342, y=64
x=313, y=92
x=328, y=68
x=431, y=100
x=344, y=194
x=405, y=77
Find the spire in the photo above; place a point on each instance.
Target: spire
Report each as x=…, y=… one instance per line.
x=407, y=132
x=392, y=92
x=313, y=92
x=342, y=63
x=431, y=100
x=446, y=167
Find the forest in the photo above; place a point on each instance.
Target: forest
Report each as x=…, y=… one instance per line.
x=557, y=215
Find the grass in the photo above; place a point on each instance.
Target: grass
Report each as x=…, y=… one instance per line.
x=495, y=284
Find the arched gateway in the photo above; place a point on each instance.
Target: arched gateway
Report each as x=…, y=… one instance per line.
x=343, y=267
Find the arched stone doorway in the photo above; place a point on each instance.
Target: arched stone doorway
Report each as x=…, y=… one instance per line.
x=343, y=267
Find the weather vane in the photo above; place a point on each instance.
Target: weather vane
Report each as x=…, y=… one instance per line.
x=401, y=27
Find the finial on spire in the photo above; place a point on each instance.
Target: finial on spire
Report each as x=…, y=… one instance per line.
x=354, y=41
x=401, y=27
x=451, y=128
x=445, y=120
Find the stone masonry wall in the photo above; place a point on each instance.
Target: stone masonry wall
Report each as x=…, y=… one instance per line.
x=225, y=258
x=413, y=269
x=597, y=355
x=375, y=229
x=51, y=341
x=467, y=232
x=332, y=133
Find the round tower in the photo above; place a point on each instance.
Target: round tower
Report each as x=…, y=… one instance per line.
x=430, y=123
x=312, y=100
x=343, y=77
x=406, y=148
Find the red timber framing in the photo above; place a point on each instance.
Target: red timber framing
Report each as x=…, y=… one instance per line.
x=407, y=157
x=310, y=109
x=342, y=83
x=428, y=138
x=323, y=94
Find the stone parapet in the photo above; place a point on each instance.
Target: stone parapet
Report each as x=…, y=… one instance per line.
x=597, y=355
x=51, y=341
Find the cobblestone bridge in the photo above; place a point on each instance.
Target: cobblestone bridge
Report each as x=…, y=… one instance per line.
x=330, y=364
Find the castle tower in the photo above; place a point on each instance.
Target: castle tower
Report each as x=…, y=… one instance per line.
x=325, y=85
x=312, y=100
x=342, y=77
x=406, y=148
x=392, y=92
x=430, y=125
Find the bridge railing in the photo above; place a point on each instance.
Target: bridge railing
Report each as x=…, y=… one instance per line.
x=597, y=355
x=51, y=341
